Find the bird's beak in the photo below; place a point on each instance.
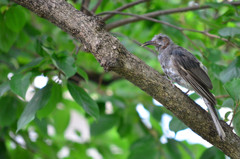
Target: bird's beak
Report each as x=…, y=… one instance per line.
x=148, y=43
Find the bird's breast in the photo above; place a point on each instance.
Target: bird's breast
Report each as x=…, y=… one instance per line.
x=170, y=70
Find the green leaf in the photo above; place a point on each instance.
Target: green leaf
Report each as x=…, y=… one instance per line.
x=15, y=18
x=4, y=87
x=228, y=103
x=61, y=120
x=66, y=64
x=173, y=150
x=3, y=150
x=156, y=126
x=39, y=100
x=233, y=88
x=144, y=148
x=82, y=73
x=229, y=32
x=7, y=37
x=56, y=97
x=32, y=64
x=8, y=110
x=19, y=84
x=176, y=125
x=212, y=153
x=104, y=123
x=236, y=123
x=232, y=71
x=84, y=100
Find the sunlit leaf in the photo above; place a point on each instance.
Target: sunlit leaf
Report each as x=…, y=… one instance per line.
x=233, y=88
x=232, y=71
x=15, y=18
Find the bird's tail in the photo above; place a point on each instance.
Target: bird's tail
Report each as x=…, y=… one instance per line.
x=214, y=116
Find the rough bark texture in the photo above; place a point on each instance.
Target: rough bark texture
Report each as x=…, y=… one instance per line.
x=114, y=57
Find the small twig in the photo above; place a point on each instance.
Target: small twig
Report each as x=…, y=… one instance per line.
x=162, y=12
x=194, y=44
x=222, y=96
x=87, y=11
x=96, y=6
x=84, y=7
x=136, y=42
x=123, y=8
x=171, y=25
x=234, y=112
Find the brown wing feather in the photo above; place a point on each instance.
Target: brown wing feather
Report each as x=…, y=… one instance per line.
x=189, y=69
x=192, y=65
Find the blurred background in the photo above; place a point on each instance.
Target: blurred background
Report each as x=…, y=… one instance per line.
x=56, y=101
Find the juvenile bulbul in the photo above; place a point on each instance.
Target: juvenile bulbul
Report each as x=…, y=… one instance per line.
x=183, y=67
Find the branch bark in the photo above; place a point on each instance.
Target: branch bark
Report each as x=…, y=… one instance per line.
x=114, y=57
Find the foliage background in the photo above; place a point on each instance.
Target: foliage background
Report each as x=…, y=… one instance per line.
x=31, y=46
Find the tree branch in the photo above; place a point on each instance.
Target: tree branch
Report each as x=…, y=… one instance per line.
x=175, y=27
x=96, y=6
x=159, y=13
x=113, y=56
x=123, y=8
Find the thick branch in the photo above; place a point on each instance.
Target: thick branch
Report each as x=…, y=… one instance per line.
x=159, y=13
x=113, y=56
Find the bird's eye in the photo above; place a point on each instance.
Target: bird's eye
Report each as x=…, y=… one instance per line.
x=160, y=38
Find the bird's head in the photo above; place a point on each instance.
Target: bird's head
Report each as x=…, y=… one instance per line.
x=160, y=41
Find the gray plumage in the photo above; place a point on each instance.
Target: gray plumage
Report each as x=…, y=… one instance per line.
x=185, y=69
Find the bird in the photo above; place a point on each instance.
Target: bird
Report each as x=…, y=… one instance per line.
x=183, y=68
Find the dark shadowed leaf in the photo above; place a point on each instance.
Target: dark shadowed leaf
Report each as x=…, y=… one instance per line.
x=174, y=151
x=8, y=110
x=236, y=123
x=176, y=125
x=82, y=73
x=104, y=123
x=56, y=97
x=212, y=153
x=83, y=99
x=4, y=87
x=66, y=64
x=39, y=100
x=19, y=84
x=144, y=148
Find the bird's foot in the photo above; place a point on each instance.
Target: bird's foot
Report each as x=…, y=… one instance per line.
x=187, y=92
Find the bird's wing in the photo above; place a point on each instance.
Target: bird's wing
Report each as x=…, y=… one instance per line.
x=189, y=69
